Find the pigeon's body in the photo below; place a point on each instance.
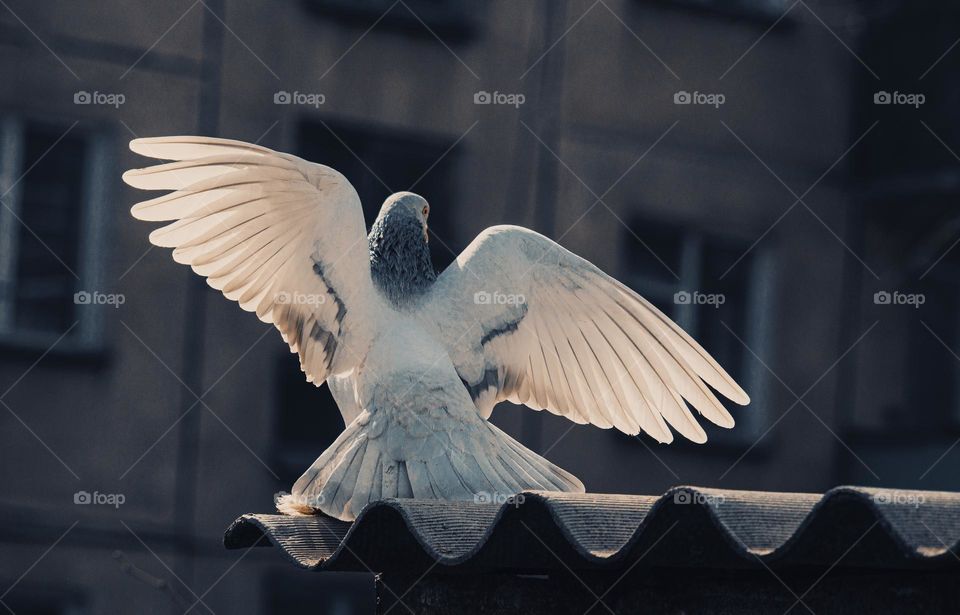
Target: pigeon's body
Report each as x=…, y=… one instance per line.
x=417, y=361
x=412, y=426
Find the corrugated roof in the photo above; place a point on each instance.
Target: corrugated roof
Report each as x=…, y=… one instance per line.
x=687, y=526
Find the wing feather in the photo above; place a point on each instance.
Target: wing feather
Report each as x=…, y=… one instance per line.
x=266, y=229
x=582, y=345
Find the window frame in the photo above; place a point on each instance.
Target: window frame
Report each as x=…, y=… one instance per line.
x=758, y=318
x=750, y=10
x=88, y=333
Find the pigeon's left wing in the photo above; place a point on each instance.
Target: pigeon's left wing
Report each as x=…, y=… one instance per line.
x=283, y=237
x=528, y=321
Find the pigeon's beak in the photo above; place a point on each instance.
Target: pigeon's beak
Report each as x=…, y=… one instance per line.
x=426, y=234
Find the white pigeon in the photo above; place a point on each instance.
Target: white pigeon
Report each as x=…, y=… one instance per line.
x=417, y=361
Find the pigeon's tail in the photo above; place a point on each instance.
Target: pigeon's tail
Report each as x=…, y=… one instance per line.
x=478, y=463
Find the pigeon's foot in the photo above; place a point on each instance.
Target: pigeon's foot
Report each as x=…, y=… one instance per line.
x=390, y=454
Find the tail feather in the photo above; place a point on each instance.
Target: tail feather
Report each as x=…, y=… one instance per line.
x=542, y=470
x=358, y=469
x=341, y=485
x=444, y=479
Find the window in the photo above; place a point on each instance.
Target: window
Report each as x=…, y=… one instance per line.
x=932, y=397
x=369, y=157
x=758, y=9
x=697, y=280
x=308, y=422
x=915, y=230
x=36, y=600
x=450, y=18
x=49, y=237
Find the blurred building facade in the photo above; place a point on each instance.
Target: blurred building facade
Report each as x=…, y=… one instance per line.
x=737, y=163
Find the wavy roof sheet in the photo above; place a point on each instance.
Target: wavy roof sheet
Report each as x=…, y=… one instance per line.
x=686, y=526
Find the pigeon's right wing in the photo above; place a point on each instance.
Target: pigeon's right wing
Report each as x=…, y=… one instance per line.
x=527, y=321
x=281, y=236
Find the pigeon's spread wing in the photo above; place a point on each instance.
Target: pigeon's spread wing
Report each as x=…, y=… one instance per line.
x=283, y=237
x=527, y=321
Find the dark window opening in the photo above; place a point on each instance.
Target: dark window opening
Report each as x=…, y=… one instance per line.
x=914, y=230
x=717, y=258
x=901, y=43
x=452, y=19
x=759, y=10
x=307, y=423
x=45, y=174
x=379, y=162
x=932, y=395
x=50, y=207
x=34, y=600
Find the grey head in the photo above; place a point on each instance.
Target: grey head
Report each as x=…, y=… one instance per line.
x=399, y=253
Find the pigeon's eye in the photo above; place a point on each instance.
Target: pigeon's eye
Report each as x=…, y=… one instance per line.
x=426, y=212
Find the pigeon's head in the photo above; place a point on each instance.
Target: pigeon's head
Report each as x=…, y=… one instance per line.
x=404, y=208
x=399, y=253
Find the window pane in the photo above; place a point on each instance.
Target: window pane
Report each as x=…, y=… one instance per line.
x=449, y=19
x=50, y=206
x=768, y=9
x=716, y=259
x=36, y=600
x=308, y=422
x=931, y=372
x=655, y=251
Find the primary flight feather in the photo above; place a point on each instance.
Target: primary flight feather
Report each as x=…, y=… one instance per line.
x=417, y=361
